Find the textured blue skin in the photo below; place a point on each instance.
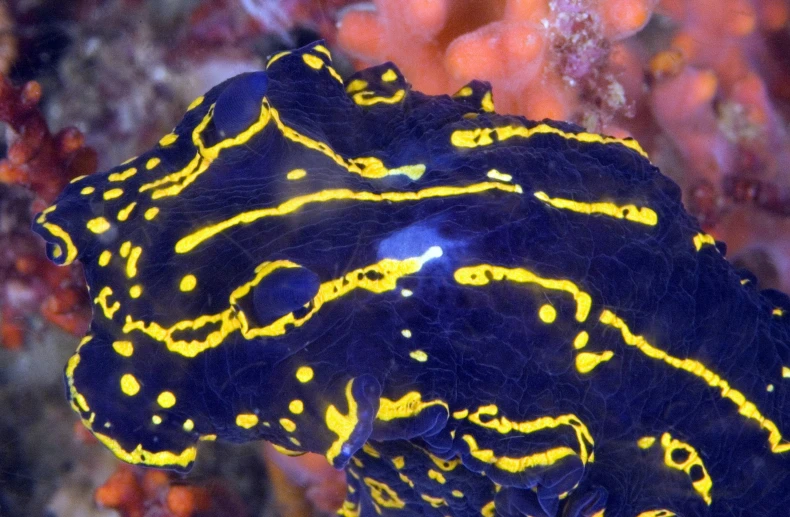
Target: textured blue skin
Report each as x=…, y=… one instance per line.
x=485, y=344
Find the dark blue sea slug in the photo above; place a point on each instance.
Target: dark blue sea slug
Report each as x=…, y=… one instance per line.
x=471, y=313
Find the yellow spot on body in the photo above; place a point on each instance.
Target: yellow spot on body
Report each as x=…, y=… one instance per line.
x=646, y=442
x=304, y=374
x=482, y=274
x=658, y=513
x=314, y=62
x=487, y=102
x=296, y=174
x=123, y=215
x=370, y=450
x=276, y=57
x=437, y=476
x=86, y=191
x=418, y=355
x=131, y=264
x=166, y=399
x=471, y=138
x=587, y=361
x=489, y=510
x=151, y=213
x=123, y=175
x=406, y=333
x=398, y=462
x=135, y=291
x=190, y=242
x=153, y=162
x=461, y=414
x=466, y=91
x=581, y=339
x=129, y=384
x=496, y=175
x=125, y=248
x=113, y=193
x=189, y=425
x=457, y=493
x=78, y=178
x=57, y=251
x=631, y=213
x=785, y=372
x=770, y=388
x=156, y=419
x=247, y=420
x=195, y=103
x=288, y=425
x=208, y=437
x=406, y=293
x=98, y=225
x=745, y=407
x=701, y=239
x=777, y=312
x=124, y=348
x=389, y=76
x=356, y=85
x=547, y=313
x=188, y=283
x=168, y=139
x=294, y=441
x=296, y=407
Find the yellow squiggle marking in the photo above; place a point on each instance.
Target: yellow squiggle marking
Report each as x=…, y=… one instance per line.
x=60, y=233
x=231, y=320
x=191, y=241
x=408, y=406
x=342, y=425
x=480, y=274
x=696, y=368
x=504, y=426
x=631, y=213
x=368, y=98
x=471, y=138
x=108, y=310
x=383, y=494
x=514, y=465
x=587, y=361
x=703, y=485
x=141, y=456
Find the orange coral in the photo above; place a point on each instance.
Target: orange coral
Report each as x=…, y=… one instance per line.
x=701, y=91
x=544, y=59
x=138, y=492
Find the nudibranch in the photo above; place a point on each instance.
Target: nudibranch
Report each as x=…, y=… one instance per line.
x=471, y=313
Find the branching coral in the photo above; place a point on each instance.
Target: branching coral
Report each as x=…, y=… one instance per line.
x=44, y=163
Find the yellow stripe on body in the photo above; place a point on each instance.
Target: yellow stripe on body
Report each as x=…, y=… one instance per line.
x=479, y=137
x=745, y=407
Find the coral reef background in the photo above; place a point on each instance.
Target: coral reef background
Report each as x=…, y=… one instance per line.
x=86, y=84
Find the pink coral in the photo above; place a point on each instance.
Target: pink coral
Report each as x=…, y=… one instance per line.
x=543, y=58
x=703, y=89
